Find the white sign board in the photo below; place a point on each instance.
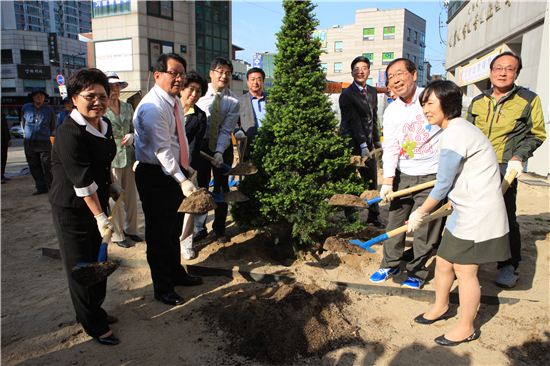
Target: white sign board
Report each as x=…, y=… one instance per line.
x=114, y=55
x=63, y=91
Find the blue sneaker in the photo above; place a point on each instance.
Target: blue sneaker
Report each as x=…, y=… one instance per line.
x=413, y=282
x=383, y=274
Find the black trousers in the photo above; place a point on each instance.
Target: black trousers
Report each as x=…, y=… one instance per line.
x=38, y=154
x=79, y=241
x=161, y=197
x=426, y=237
x=205, y=170
x=370, y=178
x=514, y=235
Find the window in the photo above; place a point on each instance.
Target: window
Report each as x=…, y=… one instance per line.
x=370, y=56
x=387, y=57
x=414, y=59
x=368, y=34
x=7, y=57
x=161, y=9
x=415, y=37
x=157, y=48
x=389, y=32
x=324, y=68
x=409, y=32
x=338, y=46
x=29, y=57
x=337, y=67
x=30, y=85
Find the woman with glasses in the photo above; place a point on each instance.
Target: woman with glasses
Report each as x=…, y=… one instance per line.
x=477, y=230
x=81, y=169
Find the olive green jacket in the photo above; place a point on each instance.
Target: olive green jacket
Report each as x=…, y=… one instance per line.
x=514, y=124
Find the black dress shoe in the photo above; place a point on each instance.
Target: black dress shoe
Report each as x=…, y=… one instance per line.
x=421, y=320
x=170, y=298
x=376, y=223
x=442, y=341
x=111, y=319
x=135, y=238
x=124, y=244
x=188, y=280
x=200, y=235
x=221, y=238
x=108, y=341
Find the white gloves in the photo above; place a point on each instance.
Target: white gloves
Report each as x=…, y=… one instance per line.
x=218, y=159
x=127, y=140
x=115, y=190
x=240, y=135
x=385, y=191
x=365, y=153
x=416, y=219
x=516, y=165
x=187, y=187
x=104, y=225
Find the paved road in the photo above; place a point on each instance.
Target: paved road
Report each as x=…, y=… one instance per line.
x=16, y=158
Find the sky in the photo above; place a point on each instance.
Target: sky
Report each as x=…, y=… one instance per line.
x=255, y=23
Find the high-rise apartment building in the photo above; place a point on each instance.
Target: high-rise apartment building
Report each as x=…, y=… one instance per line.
x=40, y=41
x=379, y=35
x=129, y=35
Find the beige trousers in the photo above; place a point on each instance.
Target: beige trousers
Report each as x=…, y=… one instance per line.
x=125, y=219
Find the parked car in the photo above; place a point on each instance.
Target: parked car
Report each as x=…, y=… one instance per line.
x=16, y=131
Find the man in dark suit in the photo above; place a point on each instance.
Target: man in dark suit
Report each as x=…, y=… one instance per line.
x=358, y=107
x=252, y=107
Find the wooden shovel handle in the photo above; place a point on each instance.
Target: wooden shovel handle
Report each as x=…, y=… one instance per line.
x=418, y=187
x=207, y=157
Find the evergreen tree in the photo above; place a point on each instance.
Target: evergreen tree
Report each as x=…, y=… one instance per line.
x=301, y=160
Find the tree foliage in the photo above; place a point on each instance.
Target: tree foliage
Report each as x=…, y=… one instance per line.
x=301, y=160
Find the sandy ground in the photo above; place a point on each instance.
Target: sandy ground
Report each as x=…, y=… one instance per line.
x=39, y=328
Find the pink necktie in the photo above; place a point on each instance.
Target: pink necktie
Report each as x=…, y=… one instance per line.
x=182, y=139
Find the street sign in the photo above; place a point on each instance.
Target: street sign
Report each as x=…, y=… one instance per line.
x=63, y=91
x=60, y=79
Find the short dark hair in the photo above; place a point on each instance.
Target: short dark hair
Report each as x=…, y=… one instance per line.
x=360, y=59
x=253, y=70
x=449, y=95
x=220, y=61
x=411, y=66
x=194, y=77
x=85, y=78
x=508, y=53
x=162, y=62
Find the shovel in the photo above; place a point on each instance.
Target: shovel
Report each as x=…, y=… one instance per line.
x=441, y=212
x=225, y=168
x=239, y=169
x=89, y=274
x=359, y=162
x=349, y=200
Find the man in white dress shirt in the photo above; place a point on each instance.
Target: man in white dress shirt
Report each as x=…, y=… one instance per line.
x=222, y=112
x=161, y=176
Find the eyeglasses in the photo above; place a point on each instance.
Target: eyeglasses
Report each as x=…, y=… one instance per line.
x=499, y=69
x=400, y=73
x=175, y=74
x=226, y=73
x=92, y=97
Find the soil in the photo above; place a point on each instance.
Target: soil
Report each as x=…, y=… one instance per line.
x=369, y=194
x=347, y=200
x=262, y=303
x=198, y=202
x=243, y=168
x=235, y=196
x=282, y=323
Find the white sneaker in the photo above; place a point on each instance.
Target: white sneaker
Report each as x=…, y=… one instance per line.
x=188, y=253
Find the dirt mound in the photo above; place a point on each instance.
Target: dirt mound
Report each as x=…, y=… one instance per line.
x=235, y=196
x=348, y=200
x=357, y=161
x=369, y=194
x=243, y=168
x=198, y=202
x=341, y=244
x=281, y=323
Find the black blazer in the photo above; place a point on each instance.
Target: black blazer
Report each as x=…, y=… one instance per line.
x=79, y=159
x=359, y=116
x=195, y=127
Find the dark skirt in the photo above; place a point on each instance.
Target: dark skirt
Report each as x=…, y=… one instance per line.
x=462, y=251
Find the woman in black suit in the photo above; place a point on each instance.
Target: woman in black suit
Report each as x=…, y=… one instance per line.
x=81, y=165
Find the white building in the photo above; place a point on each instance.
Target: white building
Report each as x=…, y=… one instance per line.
x=479, y=30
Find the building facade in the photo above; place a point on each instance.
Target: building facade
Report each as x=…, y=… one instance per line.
x=129, y=35
x=379, y=35
x=480, y=30
x=39, y=42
